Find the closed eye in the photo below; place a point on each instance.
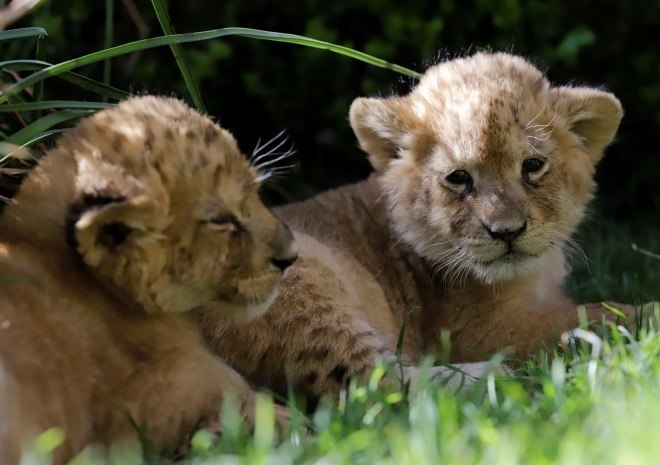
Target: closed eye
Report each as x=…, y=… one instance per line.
x=225, y=222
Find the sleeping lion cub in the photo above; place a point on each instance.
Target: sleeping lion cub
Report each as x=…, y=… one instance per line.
x=482, y=173
x=141, y=213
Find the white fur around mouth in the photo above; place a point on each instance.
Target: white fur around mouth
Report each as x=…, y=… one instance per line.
x=508, y=266
x=244, y=312
x=510, y=257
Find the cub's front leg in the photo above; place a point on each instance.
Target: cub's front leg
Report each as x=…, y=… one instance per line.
x=520, y=329
x=330, y=322
x=170, y=392
x=324, y=328
x=304, y=341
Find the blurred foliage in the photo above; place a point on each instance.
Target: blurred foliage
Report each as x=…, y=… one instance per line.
x=257, y=88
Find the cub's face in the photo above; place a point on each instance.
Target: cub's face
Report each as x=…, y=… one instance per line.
x=487, y=169
x=167, y=211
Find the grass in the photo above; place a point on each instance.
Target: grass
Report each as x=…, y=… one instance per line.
x=581, y=406
x=614, y=270
x=590, y=404
x=576, y=408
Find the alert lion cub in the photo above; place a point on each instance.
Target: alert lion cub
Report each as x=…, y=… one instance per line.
x=482, y=173
x=141, y=213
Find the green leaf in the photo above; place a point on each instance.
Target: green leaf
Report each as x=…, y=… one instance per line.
x=614, y=310
x=39, y=53
x=74, y=78
x=108, y=37
x=47, y=104
x=23, y=33
x=49, y=440
x=35, y=129
x=131, y=47
x=179, y=55
x=574, y=42
x=8, y=151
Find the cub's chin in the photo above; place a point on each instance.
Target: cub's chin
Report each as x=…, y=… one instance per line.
x=508, y=267
x=243, y=312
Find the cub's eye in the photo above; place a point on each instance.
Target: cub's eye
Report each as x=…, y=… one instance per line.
x=225, y=221
x=532, y=165
x=459, y=177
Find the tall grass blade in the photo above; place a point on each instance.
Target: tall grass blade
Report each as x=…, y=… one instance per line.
x=34, y=130
x=23, y=33
x=77, y=79
x=179, y=55
x=48, y=104
x=108, y=37
x=39, y=87
x=314, y=43
x=144, y=44
x=8, y=151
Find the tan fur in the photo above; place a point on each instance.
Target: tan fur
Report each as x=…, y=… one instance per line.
x=408, y=241
x=141, y=213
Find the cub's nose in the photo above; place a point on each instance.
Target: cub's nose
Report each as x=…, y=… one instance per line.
x=505, y=234
x=286, y=251
x=284, y=263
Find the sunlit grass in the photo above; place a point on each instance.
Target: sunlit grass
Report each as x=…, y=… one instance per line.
x=578, y=407
x=581, y=408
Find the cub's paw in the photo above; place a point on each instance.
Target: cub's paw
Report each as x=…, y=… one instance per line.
x=629, y=316
x=282, y=419
x=457, y=377
x=245, y=410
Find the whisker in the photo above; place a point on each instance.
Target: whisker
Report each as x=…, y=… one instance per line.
x=433, y=244
x=528, y=126
x=273, y=172
x=259, y=148
x=279, y=156
x=535, y=149
x=263, y=161
x=544, y=137
x=537, y=129
x=265, y=156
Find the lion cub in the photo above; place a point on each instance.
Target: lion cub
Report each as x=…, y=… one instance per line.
x=141, y=213
x=482, y=173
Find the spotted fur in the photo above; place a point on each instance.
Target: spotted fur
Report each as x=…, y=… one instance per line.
x=483, y=260
x=141, y=213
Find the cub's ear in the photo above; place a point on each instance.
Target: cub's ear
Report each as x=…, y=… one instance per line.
x=101, y=221
x=382, y=127
x=592, y=114
x=110, y=205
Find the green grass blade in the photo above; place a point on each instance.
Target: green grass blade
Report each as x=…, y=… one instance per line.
x=95, y=86
x=339, y=49
x=614, y=310
x=23, y=33
x=77, y=79
x=4, y=155
x=60, y=104
x=23, y=65
x=44, y=136
x=131, y=47
x=179, y=55
x=35, y=129
x=108, y=39
x=39, y=87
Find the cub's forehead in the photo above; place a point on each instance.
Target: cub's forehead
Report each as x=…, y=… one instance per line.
x=482, y=105
x=501, y=71
x=144, y=133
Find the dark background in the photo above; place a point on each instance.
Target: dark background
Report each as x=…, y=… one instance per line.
x=258, y=88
